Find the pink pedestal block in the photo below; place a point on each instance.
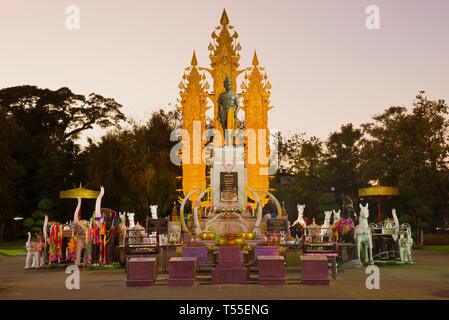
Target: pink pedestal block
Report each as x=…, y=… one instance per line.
x=314, y=270
x=265, y=251
x=197, y=252
x=271, y=270
x=141, y=272
x=182, y=271
x=230, y=269
x=229, y=256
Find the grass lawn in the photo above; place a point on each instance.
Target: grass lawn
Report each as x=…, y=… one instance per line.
x=12, y=252
x=12, y=248
x=442, y=248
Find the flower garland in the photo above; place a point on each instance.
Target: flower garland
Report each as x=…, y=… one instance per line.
x=72, y=248
x=55, y=251
x=89, y=239
x=100, y=236
x=344, y=226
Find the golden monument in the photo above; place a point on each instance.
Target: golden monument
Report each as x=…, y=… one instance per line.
x=196, y=99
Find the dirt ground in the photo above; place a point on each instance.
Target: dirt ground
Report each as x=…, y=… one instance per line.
x=427, y=279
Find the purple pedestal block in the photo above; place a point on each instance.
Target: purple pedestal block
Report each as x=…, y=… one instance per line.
x=229, y=256
x=314, y=270
x=230, y=269
x=182, y=271
x=197, y=252
x=141, y=272
x=265, y=251
x=271, y=270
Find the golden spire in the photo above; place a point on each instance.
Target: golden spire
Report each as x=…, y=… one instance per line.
x=224, y=18
x=194, y=61
x=255, y=60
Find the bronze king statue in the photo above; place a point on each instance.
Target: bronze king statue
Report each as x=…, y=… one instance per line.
x=227, y=115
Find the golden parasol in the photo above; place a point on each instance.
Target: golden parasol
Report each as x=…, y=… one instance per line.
x=378, y=191
x=79, y=192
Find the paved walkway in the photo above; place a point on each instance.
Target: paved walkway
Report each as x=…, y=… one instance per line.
x=427, y=279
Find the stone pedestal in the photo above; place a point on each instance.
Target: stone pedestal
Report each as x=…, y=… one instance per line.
x=228, y=160
x=131, y=256
x=182, y=271
x=200, y=253
x=314, y=270
x=230, y=269
x=141, y=272
x=271, y=270
x=265, y=251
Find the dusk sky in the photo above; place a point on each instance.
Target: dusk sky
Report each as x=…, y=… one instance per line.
x=326, y=68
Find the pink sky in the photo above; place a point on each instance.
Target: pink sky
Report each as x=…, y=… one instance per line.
x=325, y=67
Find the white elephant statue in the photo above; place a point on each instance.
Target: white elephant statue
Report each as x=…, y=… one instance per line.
x=98, y=214
x=34, y=248
x=81, y=229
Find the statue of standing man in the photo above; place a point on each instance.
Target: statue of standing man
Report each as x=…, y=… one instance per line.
x=227, y=115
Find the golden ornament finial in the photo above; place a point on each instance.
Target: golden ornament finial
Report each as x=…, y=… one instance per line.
x=194, y=61
x=224, y=18
x=255, y=60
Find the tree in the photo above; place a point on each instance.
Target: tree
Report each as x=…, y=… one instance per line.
x=45, y=126
x=341, y=164
x=35, y=223
x=327, y=202
x=134, y=165
x=11, y=171
x=410, y=150
x=301, y=165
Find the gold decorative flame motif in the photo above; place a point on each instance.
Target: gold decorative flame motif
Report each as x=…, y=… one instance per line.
x=194, y=105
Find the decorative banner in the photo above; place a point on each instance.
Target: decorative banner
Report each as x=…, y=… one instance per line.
x=278, y=225
x=228, y=187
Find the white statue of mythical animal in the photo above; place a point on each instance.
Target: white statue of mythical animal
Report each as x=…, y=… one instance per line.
x=300, y=219
x=326, y=229
x=122, y=235
x=131, y=220
x=153, y=211
x=405, y=248
x=363, y=235
x=336, y=216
